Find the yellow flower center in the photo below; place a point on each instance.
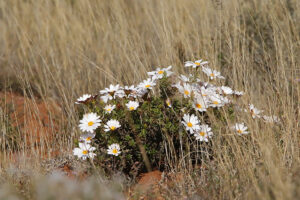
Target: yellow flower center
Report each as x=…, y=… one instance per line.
x=212, y=74
x=146, y=86
x=108, y=109
x=112, y=128
x=197, y=63
x=189, y=124
x=131, y=108
x=202, y=134
x=186, y=92
x=88, y=138
x=84, y=152
x=160, y=72
x=239, y=131
x=114, y=151
x=90, y=123
x=215, y=102
x=198, y=105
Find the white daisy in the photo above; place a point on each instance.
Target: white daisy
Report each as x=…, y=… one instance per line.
x=112, y=125
x=217, y=101
x=191, y=123
x=205, y=92
x=109, y=93
x=87, y=137
x=112, y=91
x=114, y=149
x=199, y=103
x=195, y=64
x=212, y=73
x=132, y=105
x=132, y=91
x=238, y=93
x=204, y=133
x=140, y=92
x=147, y=84
x=271, y=119
x=226, y=90
x=84, y=151
x=160, y=72
x=129, y=90
x=177, y=85
x=186, y=78
x=89, y=122
x=254, y=111
x=83, y=98
x=109, y=108
x=186, y=90
x=106, y=97
x=240, y=129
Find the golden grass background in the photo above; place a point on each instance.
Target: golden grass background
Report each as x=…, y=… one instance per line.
x=61, y=49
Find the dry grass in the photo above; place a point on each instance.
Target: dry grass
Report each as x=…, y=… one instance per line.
x=61, y=49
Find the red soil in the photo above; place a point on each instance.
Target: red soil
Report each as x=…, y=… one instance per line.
x=35, y=120
x=149, y=179
x=147, y=186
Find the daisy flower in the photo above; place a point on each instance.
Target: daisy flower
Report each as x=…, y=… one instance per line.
x=132, y=105
x=109, y=108
x=109, y=93
x=199, y=103
x=168, y=102
x=132, y=91
x=186, y=78
x=195, y=64
x=105, y=98
x=112, y=92
x=84, y=151
x=205, y=92
x=147, y=84
x=114, y=149
x=240, y=129
x=176, y=85
x=217, y=101
x=238, y=93
x=140, y=92
x=159, y=73
x=83, y=99
x=191, y=123
x=226, y=90
x=112, y=125
x=112, y=89
x=186, y=90
x=89, y=122
x=129, y=89
x=254, y=111
x=87, y=137
x=204, y=133
x=271, y=119
x=212, y=73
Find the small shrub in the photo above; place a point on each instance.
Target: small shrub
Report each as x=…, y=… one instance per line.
x=165, y=121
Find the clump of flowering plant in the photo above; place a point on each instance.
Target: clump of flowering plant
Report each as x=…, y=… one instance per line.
x=157, y=122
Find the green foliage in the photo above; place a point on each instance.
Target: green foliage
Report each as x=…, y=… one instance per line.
x=170, y=125
x=153, y=124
